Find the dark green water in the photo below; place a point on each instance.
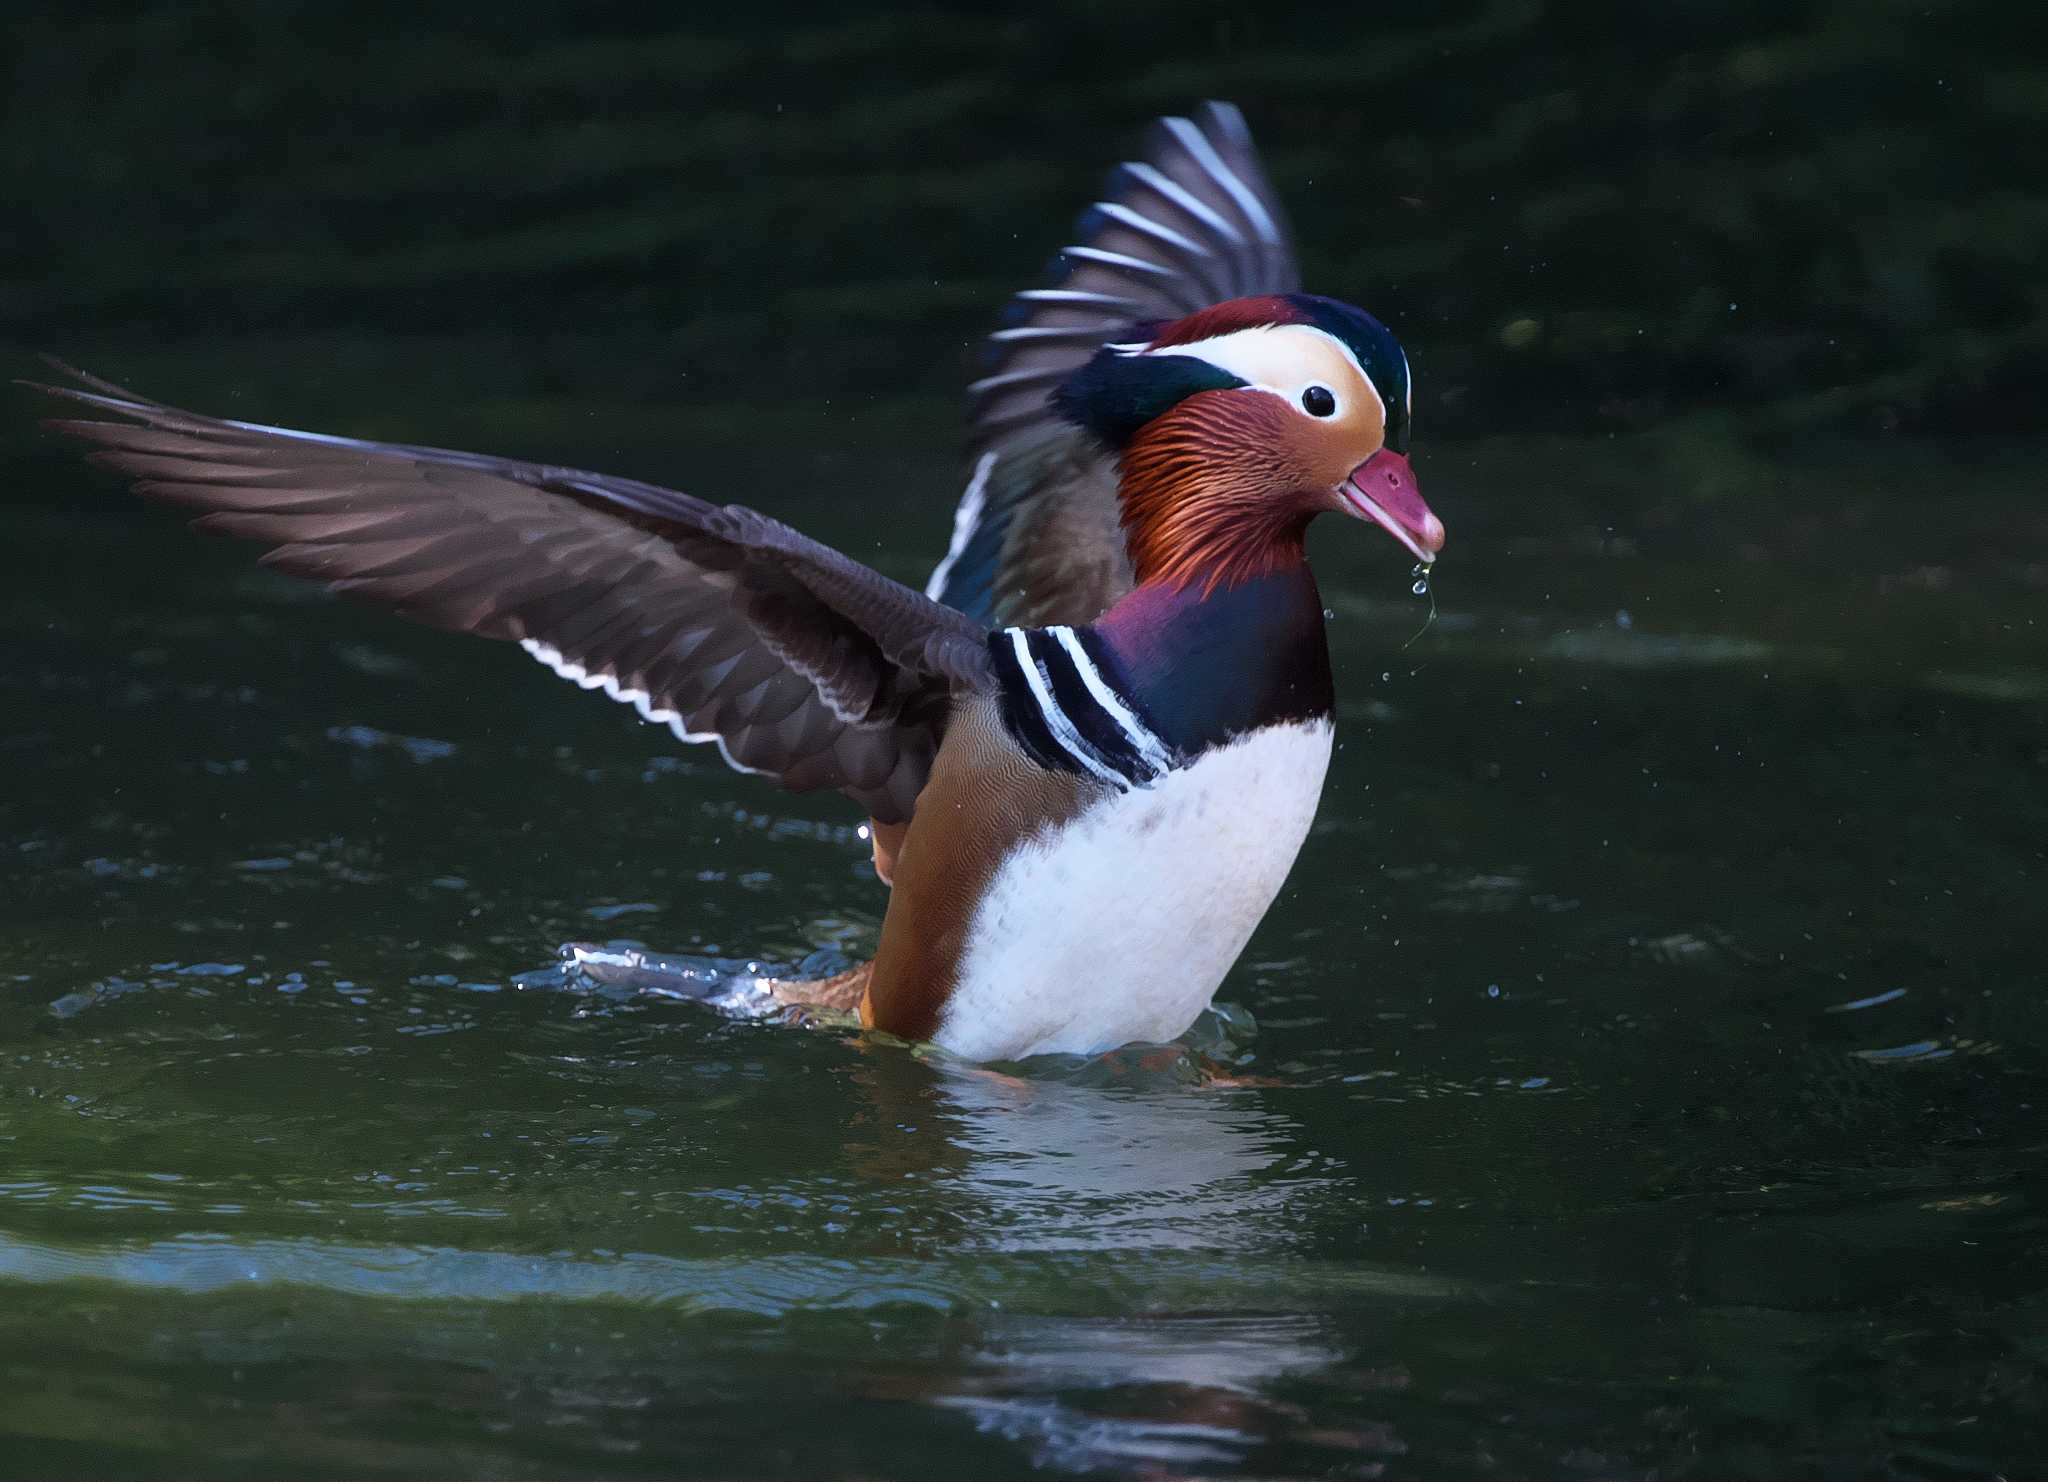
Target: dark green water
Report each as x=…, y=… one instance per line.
x=1647, y=1056
x=1642, y=1076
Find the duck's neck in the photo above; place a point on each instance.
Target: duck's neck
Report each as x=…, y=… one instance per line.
x=1211, y=662
x=1210, y=544
x=1209, y=496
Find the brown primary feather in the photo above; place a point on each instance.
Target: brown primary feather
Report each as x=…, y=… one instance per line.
x=1065, y=557
x=803, y=664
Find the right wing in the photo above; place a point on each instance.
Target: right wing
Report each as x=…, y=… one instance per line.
x=1037, y=538
x=799, y=663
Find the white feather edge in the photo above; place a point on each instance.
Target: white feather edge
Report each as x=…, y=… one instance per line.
x=1197, y=144
x=1158, y=230
x=1192, y=204
x=965, y=517
x=640, y=700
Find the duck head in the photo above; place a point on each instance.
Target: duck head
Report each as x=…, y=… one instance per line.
x=1236, y=426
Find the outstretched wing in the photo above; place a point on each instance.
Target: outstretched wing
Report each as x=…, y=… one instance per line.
x=1036, y=539
x=799, y=663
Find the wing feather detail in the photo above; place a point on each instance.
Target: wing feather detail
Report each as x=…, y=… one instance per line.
x=1196, y=221
x=717, y=621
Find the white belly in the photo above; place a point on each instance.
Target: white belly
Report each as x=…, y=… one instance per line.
x=1119, y=926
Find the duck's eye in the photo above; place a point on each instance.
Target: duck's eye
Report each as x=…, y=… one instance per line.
x=1318, y=401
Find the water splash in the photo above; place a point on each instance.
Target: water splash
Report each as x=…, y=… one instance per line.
x=1422, y=588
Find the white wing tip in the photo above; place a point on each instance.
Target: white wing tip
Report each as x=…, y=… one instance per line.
x=639, y=699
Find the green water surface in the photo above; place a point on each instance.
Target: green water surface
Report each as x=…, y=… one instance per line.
x=1642, y=1070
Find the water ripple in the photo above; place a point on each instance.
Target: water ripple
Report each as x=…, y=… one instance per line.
x=769, y=1286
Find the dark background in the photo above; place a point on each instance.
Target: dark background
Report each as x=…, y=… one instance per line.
x=1794, y=219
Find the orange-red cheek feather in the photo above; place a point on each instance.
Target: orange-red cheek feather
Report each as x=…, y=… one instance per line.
x=1219, y=490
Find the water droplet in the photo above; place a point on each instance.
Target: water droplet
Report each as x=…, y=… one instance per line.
x=1493, y=990
x=1421, y=575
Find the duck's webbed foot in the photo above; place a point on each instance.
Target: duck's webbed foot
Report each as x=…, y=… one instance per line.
x=728, y=985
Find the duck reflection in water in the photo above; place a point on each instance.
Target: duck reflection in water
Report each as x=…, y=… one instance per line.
x=1150, y=1182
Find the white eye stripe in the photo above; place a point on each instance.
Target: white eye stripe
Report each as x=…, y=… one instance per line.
x=1293, y=399
x=1252, y=355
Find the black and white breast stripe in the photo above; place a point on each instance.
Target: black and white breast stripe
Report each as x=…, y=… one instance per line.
x=1067, y=715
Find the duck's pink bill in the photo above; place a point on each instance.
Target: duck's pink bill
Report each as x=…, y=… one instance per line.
x=1382, y=489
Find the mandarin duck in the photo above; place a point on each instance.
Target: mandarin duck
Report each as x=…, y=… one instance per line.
x=1091, y=748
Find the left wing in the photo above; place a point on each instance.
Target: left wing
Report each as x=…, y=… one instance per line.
x=798, y=662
